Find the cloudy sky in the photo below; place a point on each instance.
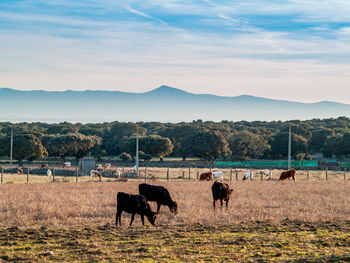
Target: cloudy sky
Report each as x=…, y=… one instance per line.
x=295, y=50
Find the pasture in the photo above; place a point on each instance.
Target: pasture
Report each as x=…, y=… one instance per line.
x=175, y=174
x=266, y=220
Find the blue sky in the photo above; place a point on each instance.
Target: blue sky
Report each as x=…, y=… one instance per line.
x=295, y=50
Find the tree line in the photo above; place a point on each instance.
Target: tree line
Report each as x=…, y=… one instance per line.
x=207, y=140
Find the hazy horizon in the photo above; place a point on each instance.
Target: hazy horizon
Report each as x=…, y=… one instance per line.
x=147, y=91
x=285, y=50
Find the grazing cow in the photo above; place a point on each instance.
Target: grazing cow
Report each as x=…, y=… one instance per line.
x=288, y=174
x=218, y=175
x=67, y=164
x=116, y=173
x=95, y=173
x=221, y=191
x=158, y=194
x=206, y=176
x=19, y=171
x=48, y=172
x=247, y=176
x=99, y=167
x=134, y=204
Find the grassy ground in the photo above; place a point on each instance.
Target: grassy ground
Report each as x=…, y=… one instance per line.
x=75, y=222
x=257, y=242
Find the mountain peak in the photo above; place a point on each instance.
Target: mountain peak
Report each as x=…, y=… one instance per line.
x=166, y=90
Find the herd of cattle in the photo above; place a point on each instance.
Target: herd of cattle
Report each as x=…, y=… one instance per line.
x=138, y=204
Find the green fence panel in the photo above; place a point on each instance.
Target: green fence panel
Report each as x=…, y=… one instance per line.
x=271, y=163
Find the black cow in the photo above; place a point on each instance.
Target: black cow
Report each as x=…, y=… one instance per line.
x=134, y=204
x=158, y=194
x=221, y=191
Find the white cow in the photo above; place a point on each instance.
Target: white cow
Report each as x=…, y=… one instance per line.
x=67, y=164
x=107, y=166
x=247, y=176
x=218, y=175
x=99, y=167
x=116, y=173
x=95, y=173
x=48, y=172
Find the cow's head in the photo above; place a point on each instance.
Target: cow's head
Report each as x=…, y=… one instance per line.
x=173, y=208
x=152, y=218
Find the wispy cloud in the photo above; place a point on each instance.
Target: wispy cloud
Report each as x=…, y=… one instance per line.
x=137, y=12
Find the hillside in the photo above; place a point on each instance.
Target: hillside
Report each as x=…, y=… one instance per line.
x=164, y=104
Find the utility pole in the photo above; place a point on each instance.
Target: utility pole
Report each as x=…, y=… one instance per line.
x=290, y=147
x=137, y=156
x=11, y=150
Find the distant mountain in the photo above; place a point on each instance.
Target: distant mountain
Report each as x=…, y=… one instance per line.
x=164, y=104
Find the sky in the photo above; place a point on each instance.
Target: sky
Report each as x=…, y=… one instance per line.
x=295, y=50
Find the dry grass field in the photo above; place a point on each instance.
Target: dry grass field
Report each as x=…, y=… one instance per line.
x=91, y=203
x=303, y=221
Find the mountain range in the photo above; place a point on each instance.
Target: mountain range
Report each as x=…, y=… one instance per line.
x=164, y=104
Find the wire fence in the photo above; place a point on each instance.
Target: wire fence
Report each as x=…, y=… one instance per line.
x=32, y=174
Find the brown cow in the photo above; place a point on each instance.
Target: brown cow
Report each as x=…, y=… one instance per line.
x=288, y=174
x=206, y=176
x=221, y=191
x=20, y=171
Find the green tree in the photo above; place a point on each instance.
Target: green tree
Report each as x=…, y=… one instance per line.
x=24, y=146
x=119, y=131
x=71, y=144
x=246, y=145
x=154, y=145
x=319, y=138
x=125, y=156
x=279, y=144
x=207, y=145
x=178, y=133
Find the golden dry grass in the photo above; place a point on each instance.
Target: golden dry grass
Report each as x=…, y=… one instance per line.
x=94, y=203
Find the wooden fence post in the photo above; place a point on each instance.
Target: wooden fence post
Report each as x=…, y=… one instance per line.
x=167, y=174
x=344, y=173
x=307, y=174
x=197, y=175
x=53, y=174
x=145, y=177
x=261, y=176
x=2, y=174
x=326, y=173
x=76, y=174
x=189, y=174
x=183, y=174
x=123, y=173
x=231, y=175
x=236, y=175
x=28, y=175
x=145, y=171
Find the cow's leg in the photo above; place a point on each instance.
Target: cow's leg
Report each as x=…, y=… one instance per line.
x=158, y=207
x=143, y=219
x=132, y=218
x=118, y=217
x=214, y=204
x=227, y=204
